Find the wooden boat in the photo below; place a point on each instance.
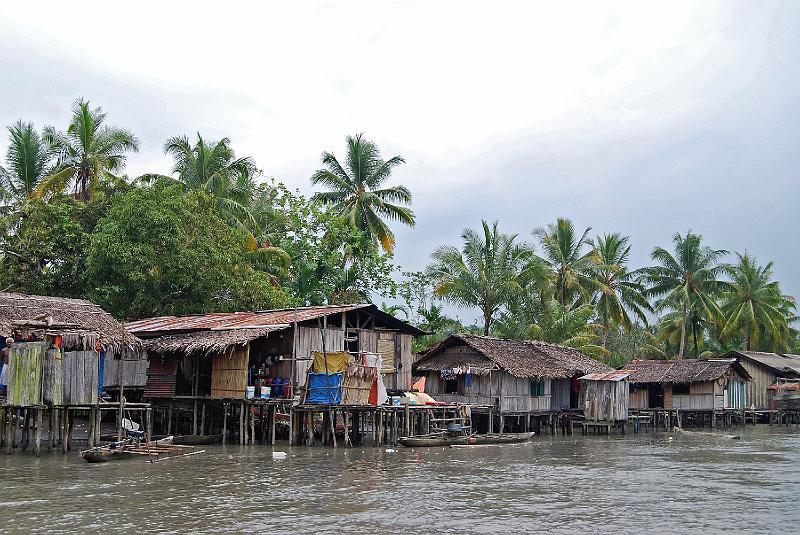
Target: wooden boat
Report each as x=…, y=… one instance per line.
x=126, y=449
x=428, y=441
x=197, y=440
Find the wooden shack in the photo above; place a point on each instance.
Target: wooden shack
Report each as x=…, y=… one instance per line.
x=511, y=376
x=61, y=346
x=687, y=384
x=604, y=396
x=766, y=369
x=221, y=355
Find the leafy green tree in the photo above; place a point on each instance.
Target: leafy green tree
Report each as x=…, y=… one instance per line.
x=86, y=153
x=754, y=306
x=355, y=190
x=439, y=325
x=489, y=269
x=27, y=162
x=162, y=251
x=619, y=294
x=686, y=282
x=571, y=259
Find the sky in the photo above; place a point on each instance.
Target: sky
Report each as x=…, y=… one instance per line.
x=634, y=117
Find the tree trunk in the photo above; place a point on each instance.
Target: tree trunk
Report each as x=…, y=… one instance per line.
x=683, y=334
x=487, y=321
x=747, y=336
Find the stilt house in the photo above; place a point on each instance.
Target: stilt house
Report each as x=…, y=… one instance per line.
x=766, y=369
x=221, y=355
x=62, y=350
x=604, y=396
x=509, y=375
x=687, y=384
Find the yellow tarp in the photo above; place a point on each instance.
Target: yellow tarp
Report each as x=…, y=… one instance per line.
x=336, y=361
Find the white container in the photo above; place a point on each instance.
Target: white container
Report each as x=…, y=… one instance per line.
x=279, y=455
x=265, y=392
x=250, y=392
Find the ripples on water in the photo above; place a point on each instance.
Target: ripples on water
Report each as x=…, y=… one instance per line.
x=642, y=483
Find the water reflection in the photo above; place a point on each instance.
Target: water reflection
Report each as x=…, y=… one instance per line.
x=612, y=484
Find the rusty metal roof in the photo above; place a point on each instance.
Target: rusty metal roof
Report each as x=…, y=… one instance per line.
x=618, y=375
x=255, y=319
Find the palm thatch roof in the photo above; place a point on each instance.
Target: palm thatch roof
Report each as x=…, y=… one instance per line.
x=524, y=359
x=683, y=370
x=40, y=314
x=206, y=343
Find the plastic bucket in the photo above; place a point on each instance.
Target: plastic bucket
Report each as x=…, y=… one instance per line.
x=264, y=392
x=250, y=392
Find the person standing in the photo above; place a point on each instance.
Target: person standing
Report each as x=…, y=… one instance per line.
x=4, y=354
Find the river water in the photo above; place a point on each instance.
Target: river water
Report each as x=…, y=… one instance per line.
x=690, y=483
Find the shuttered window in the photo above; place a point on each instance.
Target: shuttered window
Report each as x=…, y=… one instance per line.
x=537, y=388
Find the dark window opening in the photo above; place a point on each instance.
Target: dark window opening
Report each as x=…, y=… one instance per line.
x=680, y=389
x=451, y=386
x=537, y=388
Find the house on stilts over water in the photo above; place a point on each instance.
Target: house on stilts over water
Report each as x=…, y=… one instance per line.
x=515, y=384
x=214, y=375
x=66, y=352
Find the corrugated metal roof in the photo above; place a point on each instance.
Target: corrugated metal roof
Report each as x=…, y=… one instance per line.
x=778, y=362
x=619, y=375
x=237, y=320
x=263, y=318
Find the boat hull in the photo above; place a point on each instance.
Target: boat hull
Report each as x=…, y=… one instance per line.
x=475, y=440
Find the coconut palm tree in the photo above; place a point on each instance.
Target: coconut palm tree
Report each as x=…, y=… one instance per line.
x=573, y=268
x=687, y=281
x=213, y=167
x=619, y=294
x=754, y=305
x=489, y=269
x=27, y=162
x=86, y=153
x=356, y=193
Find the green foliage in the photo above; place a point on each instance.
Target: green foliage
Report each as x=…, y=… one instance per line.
x=27, y=162
x=486, y=273
x=572, y=266
x=355, y=191
x=86, y=153
x=162, y=251
x=330, y=261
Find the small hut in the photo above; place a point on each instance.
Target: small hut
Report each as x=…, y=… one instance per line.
x=688, y=384
x=62, y=348
x=510, y=375
x=604, y=396
x=766, y=369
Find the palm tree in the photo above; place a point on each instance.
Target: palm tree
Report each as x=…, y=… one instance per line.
x=619, y=295
x=687, y=281
x=88, y=152
x=212, y=167
x=486, y=273
x=573, y=268
x=754, y=305
x=27, y=162
x=356, y=193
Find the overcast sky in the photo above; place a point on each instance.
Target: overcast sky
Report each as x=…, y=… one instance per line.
x=627, y=117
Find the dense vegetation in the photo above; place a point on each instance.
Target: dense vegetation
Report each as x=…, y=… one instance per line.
x=212, y=235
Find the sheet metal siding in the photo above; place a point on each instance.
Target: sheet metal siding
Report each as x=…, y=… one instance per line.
x=161, y=378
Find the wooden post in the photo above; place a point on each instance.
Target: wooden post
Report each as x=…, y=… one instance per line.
x=65, y=432
x=98, y=421
x=241, y=423
x=10, y=431
x=333, y=417
x=194, y=417
x=3, y=413
x=26, y=436
x=37, y=441
x=148, y=418
x=252, y=425
x=503, y=424
x=273, y=413
x=292, y=426
x=224, y=423
x=203, y=421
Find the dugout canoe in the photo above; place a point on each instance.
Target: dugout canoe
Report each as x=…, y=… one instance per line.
x=474, y=440
x=121, y=450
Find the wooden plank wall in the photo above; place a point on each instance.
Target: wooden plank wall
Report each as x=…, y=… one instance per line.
x=605, y=400
x=53, y=377
x=514, y=393
x=25, y=362
x=310, y=339
x=756, y=390
x=134, y=373
x=229, y=374
x=560, y=395
x=639, y=399
x=404, y=379
x=81, y=377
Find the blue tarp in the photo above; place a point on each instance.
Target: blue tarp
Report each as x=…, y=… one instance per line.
x=324, y=387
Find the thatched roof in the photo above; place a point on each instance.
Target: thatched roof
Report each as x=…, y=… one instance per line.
x=682, y=371
x=59, y=314
x=207, y=343
x=526, y=359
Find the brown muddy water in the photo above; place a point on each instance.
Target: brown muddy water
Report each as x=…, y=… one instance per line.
x=645, y=483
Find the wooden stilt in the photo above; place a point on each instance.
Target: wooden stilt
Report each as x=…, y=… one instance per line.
x=224, y=423
x=273, y=413
x=65, y=430
x=241, y=423
x=37, y=441
x=26, y=437
x=252, y=426
x=203, y=420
